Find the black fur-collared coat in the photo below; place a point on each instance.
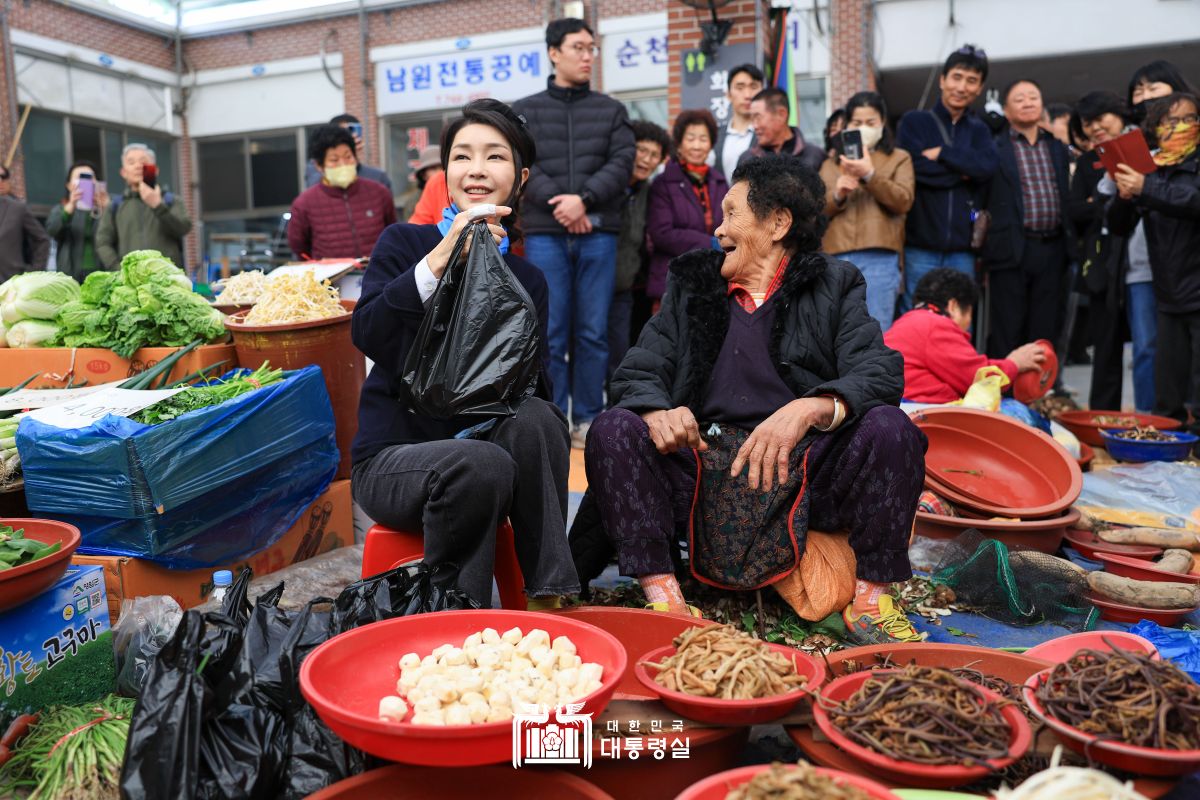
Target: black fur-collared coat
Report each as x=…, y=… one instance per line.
x=823, y=340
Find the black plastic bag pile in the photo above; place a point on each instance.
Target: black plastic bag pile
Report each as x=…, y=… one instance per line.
x=220, y=713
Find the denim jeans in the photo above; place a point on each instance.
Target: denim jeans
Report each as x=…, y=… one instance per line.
x=917, y=262
x=881, y=269
x=1141, y=309
x=580, y=271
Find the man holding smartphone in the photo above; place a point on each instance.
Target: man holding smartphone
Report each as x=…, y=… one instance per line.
x=145, y=217
x=313, y=174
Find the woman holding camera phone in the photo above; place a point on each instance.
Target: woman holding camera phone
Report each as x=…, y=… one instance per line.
x=72, y=223
x=868, y=191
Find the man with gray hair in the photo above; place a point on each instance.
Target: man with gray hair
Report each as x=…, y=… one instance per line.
x=144, y=217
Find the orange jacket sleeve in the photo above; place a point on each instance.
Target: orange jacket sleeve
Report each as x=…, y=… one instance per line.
x=434, y=198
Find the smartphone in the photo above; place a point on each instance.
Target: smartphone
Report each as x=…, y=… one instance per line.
x=355, y=128
x=852, y=144
x=87, y=191
x=150, y=175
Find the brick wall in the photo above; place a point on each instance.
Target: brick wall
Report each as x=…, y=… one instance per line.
x=683, y=33
x=850, y=47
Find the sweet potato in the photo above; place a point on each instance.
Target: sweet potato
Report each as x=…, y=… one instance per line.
x=1175, y=560
x=1147, y=594
x=1155, y=537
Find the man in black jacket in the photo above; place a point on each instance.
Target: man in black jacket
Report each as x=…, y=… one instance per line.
x=769, y=114
x=1026, y=250
x=572, y=214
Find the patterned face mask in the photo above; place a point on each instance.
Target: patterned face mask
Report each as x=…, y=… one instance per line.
x=1176, y=142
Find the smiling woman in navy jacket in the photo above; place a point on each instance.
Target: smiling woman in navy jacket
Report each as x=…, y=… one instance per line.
x=413, y=472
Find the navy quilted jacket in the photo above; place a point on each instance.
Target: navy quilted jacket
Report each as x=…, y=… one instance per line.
x=584, y=146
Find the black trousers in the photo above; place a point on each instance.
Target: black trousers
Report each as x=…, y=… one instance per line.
x=1109, y=332
x=458, y=490
x=1177, y=366
x=1026, y=301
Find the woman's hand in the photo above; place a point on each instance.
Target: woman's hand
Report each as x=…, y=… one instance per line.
x=674, y=430
x=844, y=187
x=439, y=258
x=856, y=167
x=1129, y=181
x=72, y=201
x=1028, y=357
x=770, y=446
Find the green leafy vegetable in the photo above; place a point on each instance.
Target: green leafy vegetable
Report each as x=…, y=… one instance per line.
x=16, y=550
x=209, y=395
x=36, y=295
x=148, y=303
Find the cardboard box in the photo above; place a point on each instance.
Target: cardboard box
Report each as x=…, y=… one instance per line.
x=325, y=525
x=54, y=365
x=57, y=648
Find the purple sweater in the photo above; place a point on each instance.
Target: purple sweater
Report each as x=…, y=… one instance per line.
x=745, y=388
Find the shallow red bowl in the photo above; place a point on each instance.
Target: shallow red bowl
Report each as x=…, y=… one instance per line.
x=1086, y=456
x=1138, y=760
x=1033, y=384
x=1043, y=535
x=403, y=782
x=1140, y=570
x=925, y=776
x=638, y=630
x=1012, y=453
x=1119, y=612
x=23, y=583
x=1083, y=424
x=1062, y=648
x=717, y=787
x=716, y=711
x=1091, y=546
x=344, y=679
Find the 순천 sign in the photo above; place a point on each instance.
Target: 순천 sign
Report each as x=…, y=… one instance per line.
x=421, y=83
x=634, y=60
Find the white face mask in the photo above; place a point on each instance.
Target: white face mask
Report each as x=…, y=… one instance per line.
x=871, y=134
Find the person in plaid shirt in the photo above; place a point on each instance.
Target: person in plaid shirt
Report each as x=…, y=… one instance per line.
x=1027, y=247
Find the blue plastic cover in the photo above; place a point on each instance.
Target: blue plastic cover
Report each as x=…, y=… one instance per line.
x=210, y=487
x=1182, y=648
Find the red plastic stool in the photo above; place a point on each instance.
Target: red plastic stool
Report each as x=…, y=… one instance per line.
x=387, y=548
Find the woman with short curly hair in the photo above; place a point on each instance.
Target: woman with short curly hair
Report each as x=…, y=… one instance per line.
x=764, y=367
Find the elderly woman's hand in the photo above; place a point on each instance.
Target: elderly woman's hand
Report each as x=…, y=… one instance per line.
x=770, y=446
x=674, y=430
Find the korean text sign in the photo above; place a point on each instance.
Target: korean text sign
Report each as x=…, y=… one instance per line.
x=420, y=83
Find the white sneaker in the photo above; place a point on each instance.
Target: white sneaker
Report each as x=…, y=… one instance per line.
x=579, y=435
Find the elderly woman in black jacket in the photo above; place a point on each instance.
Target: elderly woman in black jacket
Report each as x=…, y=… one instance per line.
x=759, y=401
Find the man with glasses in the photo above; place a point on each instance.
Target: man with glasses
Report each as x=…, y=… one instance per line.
x=954, y=157
x=24, y=244
x=572, y=214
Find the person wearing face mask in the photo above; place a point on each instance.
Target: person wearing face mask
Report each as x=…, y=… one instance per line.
x=1167, y=201
x=685, y=201
x=343, y=215
x=1029, y=242
x=1151, y=81
x=866, y=200
x=457, y=479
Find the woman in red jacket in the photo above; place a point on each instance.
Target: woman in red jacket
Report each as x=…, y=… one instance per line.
x=939, y=361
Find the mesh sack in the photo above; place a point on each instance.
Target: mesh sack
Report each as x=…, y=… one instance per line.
x=1015, y=585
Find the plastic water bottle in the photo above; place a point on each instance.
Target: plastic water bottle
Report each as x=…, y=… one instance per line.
x=222, y=580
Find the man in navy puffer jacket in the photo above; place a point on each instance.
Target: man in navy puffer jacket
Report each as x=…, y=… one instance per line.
x=571, y=214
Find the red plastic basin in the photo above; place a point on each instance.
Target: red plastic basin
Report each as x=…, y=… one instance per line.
x=1033, y=384
x=344, y=679
x=716, y=787
x=1141, y=569
x=23, y=583
x=718, y=711
x=1014, y=459
x=1062, y=648
x=402, y=782
x=1119, y=612
x=1138, y=760
x=638, y=630
x=1084, y=425
x=1044, y=535
x=944, y=776
x=1090, y=546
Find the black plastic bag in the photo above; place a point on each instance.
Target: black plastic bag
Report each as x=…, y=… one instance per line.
x=477, y=351
x=401, y=592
